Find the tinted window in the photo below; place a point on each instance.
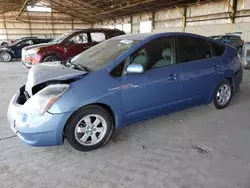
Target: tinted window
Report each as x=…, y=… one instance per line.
x=155, y=54
x=218, y=49
x=117, y=33
x=37, y=41
x=193, y=49
x=118, y=70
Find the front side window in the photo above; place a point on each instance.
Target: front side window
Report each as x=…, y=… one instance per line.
x=26, y=43
x=193, y=49
x=155, y=54
x=97, y=37
x=218, y=49
x=29, y=42
x=81, y=38
x=61, y=38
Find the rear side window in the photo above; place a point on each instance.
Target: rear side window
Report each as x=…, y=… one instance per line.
x=97, y=37
x=193, y=49
x=218, y=49
x=117, y=33
x=37, y=41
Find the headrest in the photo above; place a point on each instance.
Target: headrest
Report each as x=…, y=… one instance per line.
x=166, y=53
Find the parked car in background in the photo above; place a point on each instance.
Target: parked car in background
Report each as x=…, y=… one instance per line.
x=66, y=46
x=233, y=40
x=13, y=51
x=246, y=55
x=4, y=43
x=216, y=37
x=236, y=33
x=119, y=81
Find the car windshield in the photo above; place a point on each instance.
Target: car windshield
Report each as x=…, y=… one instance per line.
x=102, y=54
x=61, y=38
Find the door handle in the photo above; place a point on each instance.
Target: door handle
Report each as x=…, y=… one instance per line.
x=217, y=67
x=172, y=77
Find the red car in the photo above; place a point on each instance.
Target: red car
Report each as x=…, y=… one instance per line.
x=66, y=46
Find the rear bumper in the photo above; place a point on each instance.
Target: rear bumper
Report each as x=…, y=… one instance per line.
x=36, y=130
x=237, y=79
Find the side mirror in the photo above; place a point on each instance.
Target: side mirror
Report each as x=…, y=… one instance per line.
x=135, y=68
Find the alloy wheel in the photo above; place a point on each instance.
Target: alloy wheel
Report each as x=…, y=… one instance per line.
x=5, y=57
x=90, y=130
x=223, y=95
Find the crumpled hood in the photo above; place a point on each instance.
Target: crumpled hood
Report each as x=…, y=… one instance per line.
x=38, y=46
x=44, y=72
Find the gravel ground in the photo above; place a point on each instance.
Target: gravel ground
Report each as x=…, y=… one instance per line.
x=196, y=148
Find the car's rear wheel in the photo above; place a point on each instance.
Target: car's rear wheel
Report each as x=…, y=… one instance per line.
x=5, y=57
x=89, y=128
x=222, y=95
x=51, y=59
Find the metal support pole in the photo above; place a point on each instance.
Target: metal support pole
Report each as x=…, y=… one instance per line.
x=184, y=19
x=131, y=22
x=52, y=23
x=5, y=28
x=232, y=10
x=153, y=21
x=29, y=23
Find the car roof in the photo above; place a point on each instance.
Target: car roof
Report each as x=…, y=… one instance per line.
x=236, y=36
x=144, y=36
x=216, y=35
x=96, y=29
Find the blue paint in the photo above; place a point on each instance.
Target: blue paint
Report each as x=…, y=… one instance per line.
x=133, y=97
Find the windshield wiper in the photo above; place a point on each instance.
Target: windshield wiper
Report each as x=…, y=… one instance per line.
x=68, y=63
x=84, y=68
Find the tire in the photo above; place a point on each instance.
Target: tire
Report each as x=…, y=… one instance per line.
x=51, y=58
x=222, y=98
x=86, y=124
x=5, y=56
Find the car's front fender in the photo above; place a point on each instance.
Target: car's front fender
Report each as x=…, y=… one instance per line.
x=94, y=88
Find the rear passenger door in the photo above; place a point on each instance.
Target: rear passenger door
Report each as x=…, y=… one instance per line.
x=76, y=44
x=201, y=71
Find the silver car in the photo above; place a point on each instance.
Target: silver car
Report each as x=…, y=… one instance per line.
x=246, y=55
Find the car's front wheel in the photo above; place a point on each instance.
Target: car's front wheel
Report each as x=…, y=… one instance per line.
x=5, y=57
x=89, y=128
x=51, y=58
x=222, y=95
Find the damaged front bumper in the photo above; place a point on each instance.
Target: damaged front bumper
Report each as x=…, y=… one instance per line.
x=36, y=130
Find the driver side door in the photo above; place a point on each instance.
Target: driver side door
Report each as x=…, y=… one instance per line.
x=20, y=46
x=76, y=44
x=157, y=90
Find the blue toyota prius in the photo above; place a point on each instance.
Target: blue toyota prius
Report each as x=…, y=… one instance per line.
x=122, y=80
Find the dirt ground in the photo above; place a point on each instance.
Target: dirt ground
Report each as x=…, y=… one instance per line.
x=196, y=148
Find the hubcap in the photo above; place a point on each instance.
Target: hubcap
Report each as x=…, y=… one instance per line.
x=223, y=95
x=5, y=57
x=90, y=130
